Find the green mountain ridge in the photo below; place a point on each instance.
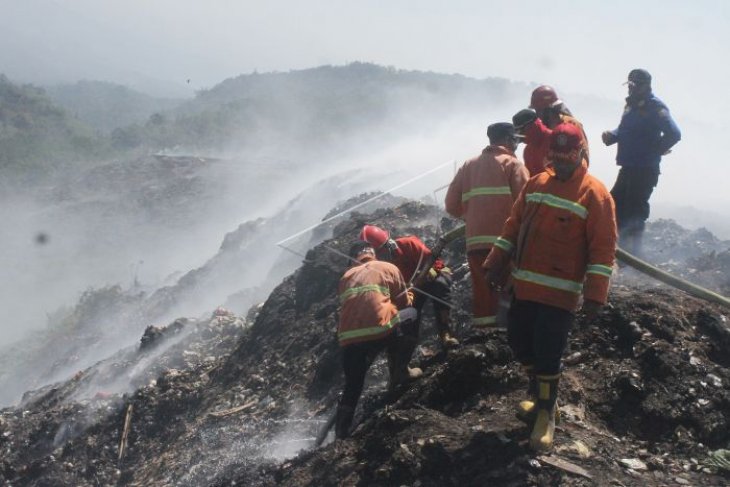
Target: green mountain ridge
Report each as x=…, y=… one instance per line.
x=39, y=138
x=107, y=106
x=318, y=106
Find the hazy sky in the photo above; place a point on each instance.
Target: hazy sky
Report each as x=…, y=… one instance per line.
x=581, y=47
x=578, y=47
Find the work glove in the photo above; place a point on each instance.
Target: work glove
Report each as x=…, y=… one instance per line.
x=608, y=138
x=437, y=268
x=523, y=118
x=496, y=272
x=495, y=278
x=591, y=308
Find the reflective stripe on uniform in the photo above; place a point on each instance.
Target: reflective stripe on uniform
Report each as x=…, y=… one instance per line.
x=364, y=289
x=370, y=331
x=554, y=201
x=601, y=270
x=504, y=244
x=485, y=191
x=478, y=239
x=484, y=320
x=548, y=281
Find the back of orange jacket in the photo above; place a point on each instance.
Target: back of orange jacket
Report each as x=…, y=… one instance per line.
x=561, y=237
x=482, y=194
x=371, y=295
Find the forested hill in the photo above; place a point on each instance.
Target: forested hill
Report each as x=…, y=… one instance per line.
x=107, y=106
x=319, y=106
x=311, y=109
x=37, y=137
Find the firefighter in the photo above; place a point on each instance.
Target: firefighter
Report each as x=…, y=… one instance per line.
x=410, y=255
x=560, y=239
x=375, y=304
x=646, y=133
x=482, y=193
x=535, y=123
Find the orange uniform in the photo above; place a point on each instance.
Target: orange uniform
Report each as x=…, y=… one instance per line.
x=561, y=237
x=482, y=194
x=371, y=294
x=537, y=140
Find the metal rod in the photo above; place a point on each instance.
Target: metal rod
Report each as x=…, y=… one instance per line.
x=369, y=200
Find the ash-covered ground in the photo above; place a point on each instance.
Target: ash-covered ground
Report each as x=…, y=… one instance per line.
x=238, y=400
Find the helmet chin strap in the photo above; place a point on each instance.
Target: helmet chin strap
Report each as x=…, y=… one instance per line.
x=388, y=249
x=391, y=245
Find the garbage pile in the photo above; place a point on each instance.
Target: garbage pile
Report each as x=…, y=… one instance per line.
x=223, y=401
x=697, y=255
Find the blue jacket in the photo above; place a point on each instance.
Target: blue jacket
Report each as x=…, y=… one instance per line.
x=645, y=133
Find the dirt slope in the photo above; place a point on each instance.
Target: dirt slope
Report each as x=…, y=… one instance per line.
x=230, y=400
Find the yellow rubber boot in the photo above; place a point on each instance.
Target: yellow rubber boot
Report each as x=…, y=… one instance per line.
x=543, y=431
x=447, y=340
x=526, y=412
x=526, y=408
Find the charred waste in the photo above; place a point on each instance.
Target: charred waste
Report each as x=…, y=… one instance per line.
x=237, y=398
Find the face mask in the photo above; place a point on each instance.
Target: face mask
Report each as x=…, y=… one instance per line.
x=563, y=171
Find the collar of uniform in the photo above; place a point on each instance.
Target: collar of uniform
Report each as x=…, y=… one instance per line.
x=364, y=258
x=639, y=100
x=497, y=149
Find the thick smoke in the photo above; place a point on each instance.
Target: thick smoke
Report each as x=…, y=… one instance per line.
x=156, y=226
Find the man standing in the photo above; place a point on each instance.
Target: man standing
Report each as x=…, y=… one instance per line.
x=535, y=123
x=646, y=133
x=482, y=193
x=371, y=294
x=561, y=241
x=409, y=254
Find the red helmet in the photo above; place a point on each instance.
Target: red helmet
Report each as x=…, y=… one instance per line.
x=543, y=97
x=566, y=142
x=375, y=236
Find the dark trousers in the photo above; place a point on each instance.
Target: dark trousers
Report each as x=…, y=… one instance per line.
x=538, y=335
x=356, y=360
x=439, y=288
x=631, y=193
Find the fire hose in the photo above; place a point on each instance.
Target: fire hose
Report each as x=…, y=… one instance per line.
x=631, y=260
x=666, y=278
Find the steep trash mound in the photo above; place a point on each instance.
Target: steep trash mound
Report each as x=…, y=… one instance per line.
x=230, y=401
x=243, y=271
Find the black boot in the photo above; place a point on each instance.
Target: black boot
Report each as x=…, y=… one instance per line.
x=443, y=317
x=398, y=358
x=343, y=421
